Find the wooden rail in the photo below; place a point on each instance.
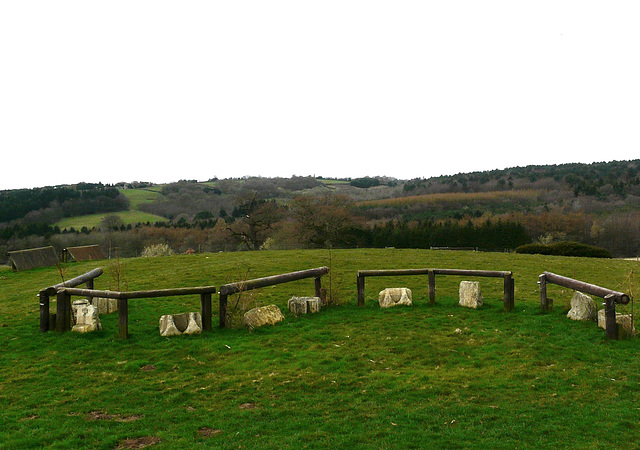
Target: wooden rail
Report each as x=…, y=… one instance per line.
x=63, y=311
x=123, y=304
x=509, y=285
x=241, y=286
x=610, y=297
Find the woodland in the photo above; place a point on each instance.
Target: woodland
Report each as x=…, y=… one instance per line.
x=596, y=204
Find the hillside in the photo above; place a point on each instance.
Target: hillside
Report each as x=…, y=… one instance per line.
x=596, y=204
x=347, y=377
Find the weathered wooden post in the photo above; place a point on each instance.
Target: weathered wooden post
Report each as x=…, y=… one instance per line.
x=432, y=286
x=90, y=285
x=360, y=287
x=44, y=310
x=318, y=286
x=123, y=318
x=544, y=301
x=222, y=313
x=610, y=317
x=63, y=311
x=205, y=301
x=509, y=287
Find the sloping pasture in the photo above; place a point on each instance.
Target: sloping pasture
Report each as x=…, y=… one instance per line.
x=421, y=376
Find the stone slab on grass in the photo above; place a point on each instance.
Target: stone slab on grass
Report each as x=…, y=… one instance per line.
x=304, y=305
x=626, y=328
x=85, y=317
x=470, y=295
x=394, y=296
x=265, y=315
x=180, y=324
x=583, y=307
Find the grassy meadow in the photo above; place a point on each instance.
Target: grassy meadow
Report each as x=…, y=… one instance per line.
x=138, y=197
x=93, y=220
x=407, y=377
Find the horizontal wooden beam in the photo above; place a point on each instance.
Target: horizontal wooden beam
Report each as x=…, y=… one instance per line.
x=140, y=294
x=240, y=286
x=73, y=282
x=587, y=288
x=461, y=272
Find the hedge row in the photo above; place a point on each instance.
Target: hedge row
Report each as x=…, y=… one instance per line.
x=565, y=249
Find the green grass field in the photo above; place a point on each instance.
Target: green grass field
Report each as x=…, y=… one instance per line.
x=138, y=197
x=93, y=220
x=408, y=377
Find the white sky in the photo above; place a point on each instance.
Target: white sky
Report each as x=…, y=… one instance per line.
x=165, y=90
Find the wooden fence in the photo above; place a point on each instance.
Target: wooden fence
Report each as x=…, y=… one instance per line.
x=65, y=293
x=509, y=285
x=63, y=311
x=241, y=286
x=610, y=297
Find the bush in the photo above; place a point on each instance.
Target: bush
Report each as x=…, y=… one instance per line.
x=565, y=249
x=157, y=250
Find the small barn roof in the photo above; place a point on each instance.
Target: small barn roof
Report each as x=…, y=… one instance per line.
x=86, y=253
x=33, y=257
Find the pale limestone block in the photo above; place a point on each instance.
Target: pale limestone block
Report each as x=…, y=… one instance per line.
x=85, y=317
x=304, y=305
x=265, y=315
x=394, y=296
x=105, y=305
x=179, y=324
x=582, y=307
x=626, y=327
x=470, y=295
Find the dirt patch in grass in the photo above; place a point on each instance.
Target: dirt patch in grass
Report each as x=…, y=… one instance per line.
x=100, y=415
x=140, y=442
x=248, y=406
x=30, y=417
x=148, y=368
x=209, y=432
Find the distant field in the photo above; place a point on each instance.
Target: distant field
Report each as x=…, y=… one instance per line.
x=333, y=181
x=453, y=197
x=425, y=376
x=92, y=220
x=138, y=197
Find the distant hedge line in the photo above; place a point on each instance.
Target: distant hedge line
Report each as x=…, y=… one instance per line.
x=565, y=249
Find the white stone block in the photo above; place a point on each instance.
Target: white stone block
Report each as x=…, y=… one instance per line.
x=394, y=296
x=265, y=315
x=582, y=307
x=179, y=324
x=470, y=295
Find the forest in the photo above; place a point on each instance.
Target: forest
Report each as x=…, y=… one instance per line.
x=596, y=204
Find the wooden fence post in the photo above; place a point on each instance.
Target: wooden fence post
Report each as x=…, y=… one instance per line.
x=123, y=318
x=318, y=286
x=360, y=287
x=544, y=303
x=222, y=313
x=610, y=317
x=90, y=285
x=508, y=299
x=432, y=286
x=63, y=313
x=44, y=311
x=205, y=301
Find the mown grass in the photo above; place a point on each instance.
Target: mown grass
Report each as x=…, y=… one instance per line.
x=93, y=220
x=421, y=376
x=138, y=197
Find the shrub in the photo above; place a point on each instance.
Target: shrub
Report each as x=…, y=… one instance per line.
x=157, y=250
x=565, y=249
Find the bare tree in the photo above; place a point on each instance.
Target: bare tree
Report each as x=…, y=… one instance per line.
x=256, y=222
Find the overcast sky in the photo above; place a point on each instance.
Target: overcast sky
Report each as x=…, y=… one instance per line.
x=166, y=90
